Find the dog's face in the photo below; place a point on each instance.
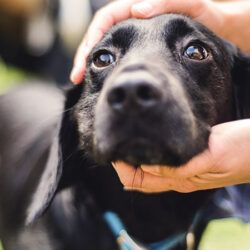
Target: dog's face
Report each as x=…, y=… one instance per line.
x=153, y=90
x=155, y=87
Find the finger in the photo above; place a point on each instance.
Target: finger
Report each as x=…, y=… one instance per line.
x=143, y=190
x=125, y=172
x=104, y=19
x=78, y=72
x=150, y=8
x=199, y=164
x=201, y=183
x=132, y=177
x=156, y=184
x=136, y=179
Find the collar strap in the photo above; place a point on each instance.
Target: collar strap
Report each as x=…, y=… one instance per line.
x=128, y=243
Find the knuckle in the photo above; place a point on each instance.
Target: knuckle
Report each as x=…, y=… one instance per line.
x=198, y=6
x=100, y=13
x=187, y=188
x=201, y=4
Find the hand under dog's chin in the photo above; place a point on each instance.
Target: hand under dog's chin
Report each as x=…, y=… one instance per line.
x=141, y=153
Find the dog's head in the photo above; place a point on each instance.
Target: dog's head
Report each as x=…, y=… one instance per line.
x=154, y=89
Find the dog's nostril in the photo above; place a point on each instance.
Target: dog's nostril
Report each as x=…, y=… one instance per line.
x=117, y=97
x=138, y=94
x=146, y=93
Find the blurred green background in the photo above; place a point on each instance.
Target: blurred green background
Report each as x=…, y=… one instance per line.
x=10, y=76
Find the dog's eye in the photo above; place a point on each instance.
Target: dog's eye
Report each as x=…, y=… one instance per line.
x=196, y=52
x=103, y=59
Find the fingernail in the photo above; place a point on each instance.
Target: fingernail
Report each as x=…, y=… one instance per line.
x=77, y=75
x=73, y=75
x=143, y=8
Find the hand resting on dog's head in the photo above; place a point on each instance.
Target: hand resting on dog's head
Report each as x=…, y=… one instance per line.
x=215, y=15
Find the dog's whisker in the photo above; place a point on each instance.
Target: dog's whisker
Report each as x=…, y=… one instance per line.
x=70, y=155
x=59, y=113
x=94, y=166
x=133, y=180
x=142, y=177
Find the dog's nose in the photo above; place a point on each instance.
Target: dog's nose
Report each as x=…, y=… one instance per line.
x=136, y=93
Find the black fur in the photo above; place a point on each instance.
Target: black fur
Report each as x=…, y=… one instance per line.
x=170, y=123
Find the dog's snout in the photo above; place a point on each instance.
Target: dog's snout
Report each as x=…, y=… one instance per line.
x=137, y=93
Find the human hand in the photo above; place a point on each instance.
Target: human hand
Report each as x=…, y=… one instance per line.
x=226, y=162
x=208, y=12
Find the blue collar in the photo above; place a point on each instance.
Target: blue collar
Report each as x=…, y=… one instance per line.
x=127, y=243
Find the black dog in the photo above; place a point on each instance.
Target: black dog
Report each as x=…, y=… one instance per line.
x=154, y=88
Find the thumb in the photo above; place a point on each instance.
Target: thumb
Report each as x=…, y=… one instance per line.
x=150, y=8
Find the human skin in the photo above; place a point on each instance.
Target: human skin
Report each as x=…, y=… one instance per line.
x=227, y=19
x=225, y=162
x=227, y=159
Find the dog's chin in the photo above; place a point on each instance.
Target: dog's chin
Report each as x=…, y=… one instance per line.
x=141, y=152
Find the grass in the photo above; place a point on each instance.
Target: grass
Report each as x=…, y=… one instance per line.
x=9, y=77
x=226, y=234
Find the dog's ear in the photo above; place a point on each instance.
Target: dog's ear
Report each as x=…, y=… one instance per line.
x=241, y=81
x=64, y=143
x=30, y=151
x=48, y=182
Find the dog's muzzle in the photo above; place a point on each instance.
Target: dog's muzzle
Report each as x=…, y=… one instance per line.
x=143, y=117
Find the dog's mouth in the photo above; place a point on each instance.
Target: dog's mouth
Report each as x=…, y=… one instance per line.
x=142, y=121
x=146, y=151
x=137, y=152
x=171, y=143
